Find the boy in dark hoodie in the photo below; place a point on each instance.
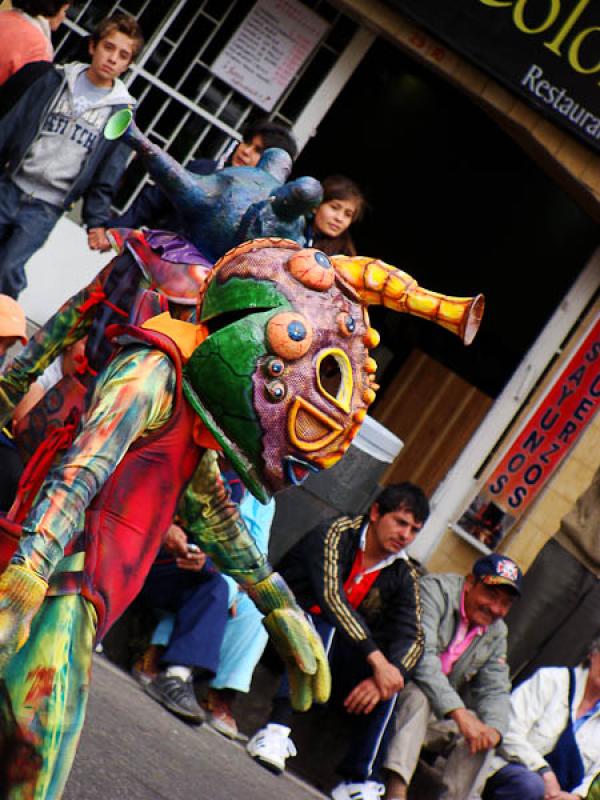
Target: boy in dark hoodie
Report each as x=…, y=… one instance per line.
x=53, y=152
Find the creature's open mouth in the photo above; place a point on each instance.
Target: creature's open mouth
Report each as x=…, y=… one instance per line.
x=297, y=470
x=309, y=428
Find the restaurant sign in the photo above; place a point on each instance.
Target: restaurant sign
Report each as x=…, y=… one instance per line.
x=546, y=50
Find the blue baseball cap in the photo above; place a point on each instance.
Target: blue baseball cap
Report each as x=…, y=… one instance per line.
x=498, y=570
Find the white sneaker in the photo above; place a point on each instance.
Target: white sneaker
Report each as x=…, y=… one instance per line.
x=270, y=746
x=369, y=790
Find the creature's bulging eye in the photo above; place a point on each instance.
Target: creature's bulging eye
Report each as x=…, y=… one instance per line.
x=346, y=324
x=274, y=367
x=289, y=335
x=312, y=268
x=276, y=391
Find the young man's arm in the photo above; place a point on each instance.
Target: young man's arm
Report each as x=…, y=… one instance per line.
x=98, y=197
x=403, y=620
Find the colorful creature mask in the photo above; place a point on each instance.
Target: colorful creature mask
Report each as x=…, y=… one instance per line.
x=284, y=379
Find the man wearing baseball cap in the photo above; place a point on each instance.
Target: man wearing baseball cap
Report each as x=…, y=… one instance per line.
x=12, y=324
x=459, y=700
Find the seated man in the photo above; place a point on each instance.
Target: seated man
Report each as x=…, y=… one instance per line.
x=552, y=746
x=183, y=581
x=208, y=627
x=460, y=699
x=355, y=579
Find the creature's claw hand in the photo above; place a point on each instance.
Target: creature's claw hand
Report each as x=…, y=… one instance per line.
x=21, y=595
x=301, y=648
x=296, y=641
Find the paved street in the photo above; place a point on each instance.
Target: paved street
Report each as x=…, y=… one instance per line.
x=133, y=749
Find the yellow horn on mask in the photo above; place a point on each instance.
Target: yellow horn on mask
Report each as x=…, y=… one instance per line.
x=378, y=283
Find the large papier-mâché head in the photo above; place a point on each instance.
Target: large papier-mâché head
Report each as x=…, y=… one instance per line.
x=284, y=379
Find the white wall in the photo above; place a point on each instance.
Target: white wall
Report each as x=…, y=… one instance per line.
x=59, y=269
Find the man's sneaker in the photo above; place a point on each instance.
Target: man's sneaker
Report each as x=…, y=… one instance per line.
x=177, y=695
x=220, y=716
x=270, y=746
x=369, y=790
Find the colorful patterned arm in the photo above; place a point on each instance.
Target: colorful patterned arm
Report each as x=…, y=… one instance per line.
x=69, y=324
x=296, y=641
x=211, y=519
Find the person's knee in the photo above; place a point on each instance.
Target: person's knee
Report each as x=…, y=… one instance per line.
x=514, y=781
x=532, y=786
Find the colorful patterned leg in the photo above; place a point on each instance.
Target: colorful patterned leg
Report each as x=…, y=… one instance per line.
x=48, y=684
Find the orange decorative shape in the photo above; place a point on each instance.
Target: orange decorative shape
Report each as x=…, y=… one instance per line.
x=371, y=338
x=283, y=335
x=305, y=267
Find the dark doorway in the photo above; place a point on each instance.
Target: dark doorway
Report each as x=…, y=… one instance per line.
x=457, y=204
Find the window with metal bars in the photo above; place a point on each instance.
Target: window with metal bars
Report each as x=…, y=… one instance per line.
x=182, y=107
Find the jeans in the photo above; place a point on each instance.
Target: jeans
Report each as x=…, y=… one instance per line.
x=25, y=224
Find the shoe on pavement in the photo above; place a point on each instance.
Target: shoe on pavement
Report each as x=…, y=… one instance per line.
x=369, y=790
x=271, y=746
x=177, y=695
x=220, y=716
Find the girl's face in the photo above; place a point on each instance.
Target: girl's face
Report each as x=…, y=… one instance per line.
x=335, y=216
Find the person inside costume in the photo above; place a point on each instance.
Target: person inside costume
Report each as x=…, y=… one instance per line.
x=53, y=152
x=352, y=575
x=551, y=750
x=275, y=372
x=343, y=204
x=458, y=702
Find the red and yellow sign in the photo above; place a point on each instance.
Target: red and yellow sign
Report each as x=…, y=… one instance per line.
x=568, y=406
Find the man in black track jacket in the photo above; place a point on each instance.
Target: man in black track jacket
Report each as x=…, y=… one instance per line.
x=354, y=578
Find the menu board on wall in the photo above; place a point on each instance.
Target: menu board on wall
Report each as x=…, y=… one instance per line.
x=268, y=49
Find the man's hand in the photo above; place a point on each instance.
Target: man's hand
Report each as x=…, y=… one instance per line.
x=97, y=239
x=477, y=734
x=363, y=698
x=176, y=542
x=551, y=786
x=296, y=641
x=388, y=677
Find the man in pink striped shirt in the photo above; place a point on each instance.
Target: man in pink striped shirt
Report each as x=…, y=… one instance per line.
x=459, y=700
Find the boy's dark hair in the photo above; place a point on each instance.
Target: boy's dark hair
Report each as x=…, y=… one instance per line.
x=123, y=23
x=406, y=496
x=40, y=8
x=273, y=135
x=339, y=187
